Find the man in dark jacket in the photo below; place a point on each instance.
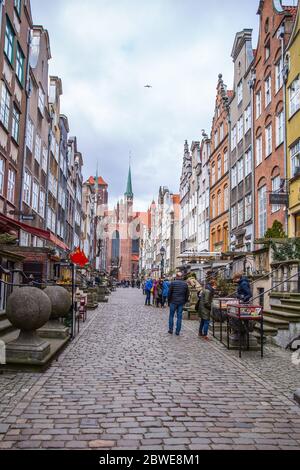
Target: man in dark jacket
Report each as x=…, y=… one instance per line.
x=205, y=305
x=178, y=297
x=244, y=293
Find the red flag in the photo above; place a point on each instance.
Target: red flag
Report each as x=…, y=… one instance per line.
x=78, y=257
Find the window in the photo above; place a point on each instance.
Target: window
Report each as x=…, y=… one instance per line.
x=27, y=188
x=268, y=90
x=9, y=41
x=213, y=207
x=45, y=159
x=240, y=92
x=225, y=161
x=234, y=217
x=24, y=239
x=248, y=162
x=258, y=104
x=213, y=174
x=258, y=150
x=20, y=59
x=275, y=188
x=219, y=203
x=219, y=168
x=279, y=75
x=234, y=176
x=294, y=94
x=37, y=150
x=4, y=105
x=279, y=128
x=233, y=138
x=216, y=139
x=248, y=207
x=295, y=159
x=2, y=171
x=35, y=196
x=41, y=100
x=262, y=211
x=226, y=198
x=17, y=5
x=240, y=129
x=42, y=203
x=29, y=134
x=11, y=183
x=221, y=132
x=241, y=212
x=240, y=166
x=268, y=140
x=267, y=51
x=15, y=131
x=247, y=118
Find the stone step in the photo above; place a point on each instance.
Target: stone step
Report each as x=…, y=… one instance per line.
x=5, y=326
x=288, y=309
x=2, y=315
x=282, y=314
x=271, y=320
x=294, y=302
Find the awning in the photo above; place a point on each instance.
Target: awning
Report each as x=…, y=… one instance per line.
x=6, y=223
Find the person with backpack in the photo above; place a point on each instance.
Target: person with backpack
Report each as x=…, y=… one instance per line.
x=205, y=305
x=148, y=289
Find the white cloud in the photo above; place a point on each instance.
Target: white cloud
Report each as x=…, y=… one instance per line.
x=106, y=51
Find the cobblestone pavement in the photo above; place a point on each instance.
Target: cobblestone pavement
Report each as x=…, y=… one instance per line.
x=124, y=383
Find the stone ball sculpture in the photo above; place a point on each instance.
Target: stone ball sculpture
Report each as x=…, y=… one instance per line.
x=60, y=299
x=28, y=308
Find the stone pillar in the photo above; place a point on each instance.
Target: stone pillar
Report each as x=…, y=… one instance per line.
x=61, y=301
x=28, y=309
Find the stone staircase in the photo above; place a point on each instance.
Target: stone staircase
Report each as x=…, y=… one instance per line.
x=7, y=330
x=282, y=320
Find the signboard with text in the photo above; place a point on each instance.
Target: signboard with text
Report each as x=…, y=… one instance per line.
x=280, y=199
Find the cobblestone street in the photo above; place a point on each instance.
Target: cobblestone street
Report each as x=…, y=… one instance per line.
x=125, y=383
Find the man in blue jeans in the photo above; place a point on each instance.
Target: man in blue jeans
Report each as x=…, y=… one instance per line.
x=148, y=287
x=178, y=297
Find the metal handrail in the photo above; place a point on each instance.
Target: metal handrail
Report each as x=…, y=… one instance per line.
x=277, y=285
x=263, y=277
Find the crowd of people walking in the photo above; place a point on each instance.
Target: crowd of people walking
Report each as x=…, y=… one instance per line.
x=175, y=294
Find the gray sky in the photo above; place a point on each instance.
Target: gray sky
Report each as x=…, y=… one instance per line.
x=105, y=51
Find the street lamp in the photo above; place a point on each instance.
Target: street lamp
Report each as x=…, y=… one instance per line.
x=162, y=264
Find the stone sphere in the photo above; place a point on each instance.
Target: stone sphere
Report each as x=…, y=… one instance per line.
x=28, y=308
x=60, y=299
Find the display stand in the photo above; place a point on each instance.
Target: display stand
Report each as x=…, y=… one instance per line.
x=245, y=313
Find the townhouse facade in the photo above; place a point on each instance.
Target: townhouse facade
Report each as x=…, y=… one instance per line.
x=219, y=171
x=276, y=22
x=203, y=174
x=292, y=86
x=15, y=27
x=241, y=162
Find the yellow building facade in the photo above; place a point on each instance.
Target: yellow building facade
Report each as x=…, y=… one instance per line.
x=293, y=129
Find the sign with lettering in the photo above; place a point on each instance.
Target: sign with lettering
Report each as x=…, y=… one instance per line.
x=279, y=199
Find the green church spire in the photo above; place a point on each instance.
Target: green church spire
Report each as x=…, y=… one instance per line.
x=129, y=192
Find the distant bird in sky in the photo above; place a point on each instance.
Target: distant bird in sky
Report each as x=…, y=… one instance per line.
x=147, y=86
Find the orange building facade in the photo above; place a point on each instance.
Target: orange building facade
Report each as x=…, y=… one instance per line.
x=219, y=172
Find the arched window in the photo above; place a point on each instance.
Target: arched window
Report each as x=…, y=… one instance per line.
x=115, y=248
x=219, y=203
x=262, y=208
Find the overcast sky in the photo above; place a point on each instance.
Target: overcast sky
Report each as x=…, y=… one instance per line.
x=105, y=51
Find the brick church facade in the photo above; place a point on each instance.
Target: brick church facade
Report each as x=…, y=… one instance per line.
x=123, y=231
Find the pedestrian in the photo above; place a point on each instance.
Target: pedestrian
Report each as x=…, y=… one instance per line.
x=159, y=292
x=165, y=292
x=244, y=293
x=154, y=292
x=148, y=288
x=178, y=296
x=205, y=305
